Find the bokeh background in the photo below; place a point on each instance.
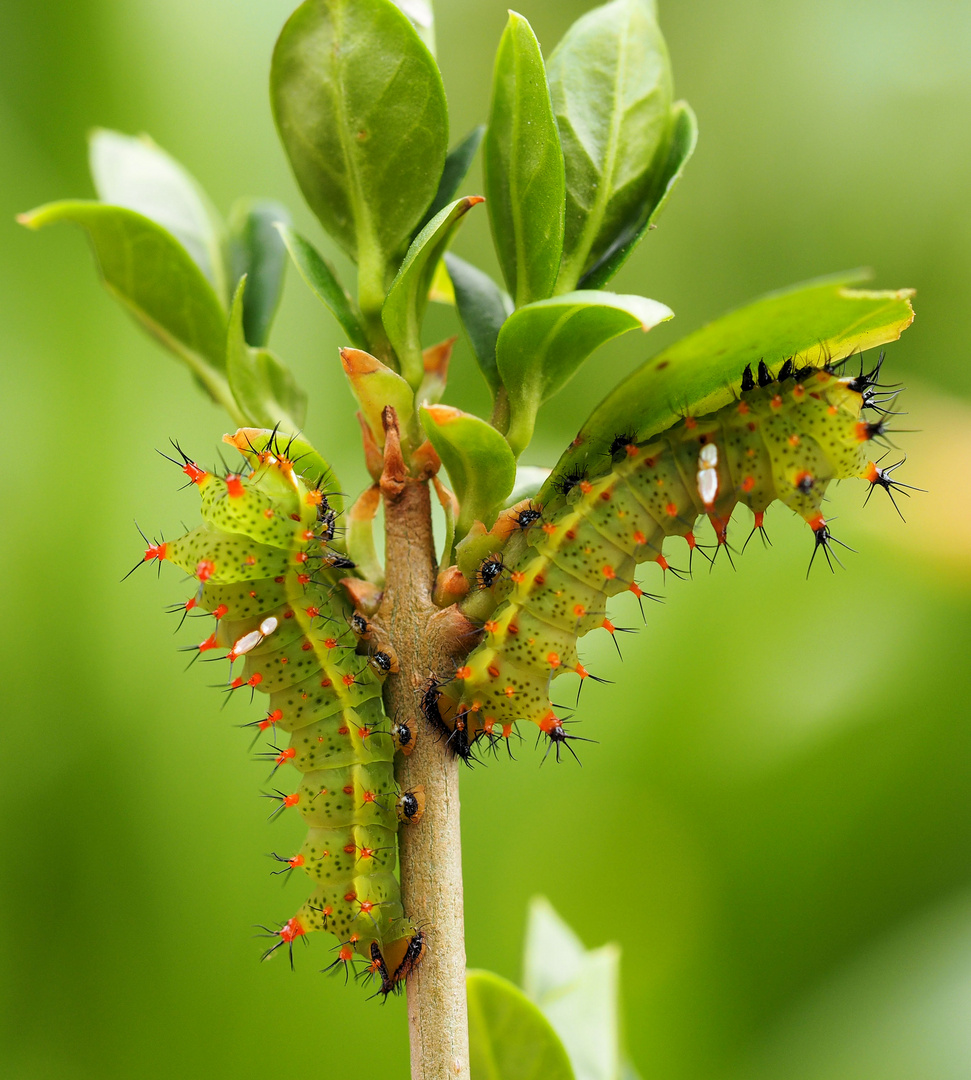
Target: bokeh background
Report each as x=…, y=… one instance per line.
x=775, y=822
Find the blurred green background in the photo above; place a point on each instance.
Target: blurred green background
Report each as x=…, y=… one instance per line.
x=775, y=822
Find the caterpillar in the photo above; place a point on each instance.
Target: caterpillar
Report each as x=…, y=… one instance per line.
x=784, y=437
x=267, y=575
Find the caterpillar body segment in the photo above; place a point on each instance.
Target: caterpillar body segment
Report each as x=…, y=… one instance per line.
x=265, y=573
x=781, y=440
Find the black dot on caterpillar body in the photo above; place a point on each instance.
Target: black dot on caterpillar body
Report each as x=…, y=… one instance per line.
x=566, y=483
x=411, y=805
x=490, y=568
x=619, y=444
x=527, y=516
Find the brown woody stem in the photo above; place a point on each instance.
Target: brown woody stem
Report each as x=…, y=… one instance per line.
x=424, y=639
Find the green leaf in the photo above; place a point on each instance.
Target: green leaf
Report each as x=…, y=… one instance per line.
x=135, y=173
x=684, y=138
x=578, y=991
x=812, y=323
x=480, y=464
x=509, y=1038
x=610, y=80
x=483, y=308
x=423, y=19
x=263, y=387
x=408, y=296
x=524, y=167
x=375, y=385
x=541, y=346
x=456, y=166
x=257, y=251
x=153, y=276
x=361, y=111
x=320, y=276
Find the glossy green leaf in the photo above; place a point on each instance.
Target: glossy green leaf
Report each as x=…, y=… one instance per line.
x=578, y=991
x=812, y=323
x=509, y=1038
x=524, y=167
x=153, y=276
x=375, y=386
x=423, y=19
x=317, y=272
x=256, y=249
x=684, y=138
x=360, y=107
x=456, y=166
x=480, y=464
x=610, y=80
x=541, y=346
x=263, y=387
x=408, y=296
x=483, y=308
x=135, y=173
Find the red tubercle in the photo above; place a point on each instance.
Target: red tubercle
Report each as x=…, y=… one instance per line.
x=816, y=522
x=662, y=562
x=550, y=722
x=307, y=535
x=490, y=626
x=249, y=560
x=194, y=473
x=631, y=450
x=464, y=672
x=581, y=671
x=671, y=509
x=553, y=659
x=585, y=486
x=303, y=579
x=748, y=484
x=291, y=800
x=368, y=797
x=315, y=497
x=579, y=610
x=742, y=408
x=690, y=422
x=204, y=569
x=692, y=542
x=759, y=518
x=639, y=537
x=608, y=572
x=286, y=755
x=608, y=626
x=301, y=557
x=268, y=513
x=209, y=643
x=346, y=954
x=343, y=730
x=776, y=402
x=493, y=670
x=255, y=679
x=872, y=473
x=156, y=551
x=220, y=611
x=348, y=679
x=236, y=683
x=635, y=589
x=506, y=730
x=234, y=486
x=313, y=612
x=348, y=789
x=292, y=928
x=366, y=906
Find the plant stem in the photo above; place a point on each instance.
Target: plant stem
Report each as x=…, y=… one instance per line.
x=424, y=641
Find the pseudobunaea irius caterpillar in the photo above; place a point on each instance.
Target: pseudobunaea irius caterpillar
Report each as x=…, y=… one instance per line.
x=267, y=574
x=554, y=561
x=268, y=571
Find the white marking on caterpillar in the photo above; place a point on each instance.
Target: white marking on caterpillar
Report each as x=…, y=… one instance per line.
x=708, y=473
x=248, y=642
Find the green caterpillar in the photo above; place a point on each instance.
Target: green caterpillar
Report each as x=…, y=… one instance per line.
x=785, y=436
x=266, y=573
